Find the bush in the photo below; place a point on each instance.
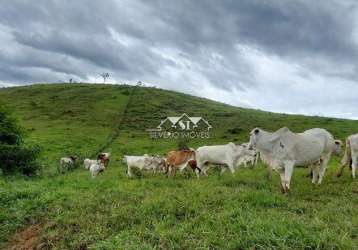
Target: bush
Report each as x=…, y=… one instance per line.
x=10, y=133
x=14, y=156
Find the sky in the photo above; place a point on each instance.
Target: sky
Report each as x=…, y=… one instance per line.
x=281, y=56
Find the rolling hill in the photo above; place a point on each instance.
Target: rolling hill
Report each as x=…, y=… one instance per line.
x=73, y=211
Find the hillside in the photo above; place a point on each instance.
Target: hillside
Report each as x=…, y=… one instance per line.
x=112, y=212
x=81, y=118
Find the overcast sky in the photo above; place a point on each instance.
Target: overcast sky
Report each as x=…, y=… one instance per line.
x=282, y=56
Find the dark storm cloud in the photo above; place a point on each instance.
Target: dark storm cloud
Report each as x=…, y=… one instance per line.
x=232, y=51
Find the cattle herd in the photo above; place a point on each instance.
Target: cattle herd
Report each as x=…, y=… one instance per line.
x=281, y=151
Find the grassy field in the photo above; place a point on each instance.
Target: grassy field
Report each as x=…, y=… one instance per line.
x=244, y=211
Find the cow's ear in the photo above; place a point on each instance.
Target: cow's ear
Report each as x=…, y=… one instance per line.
x=337, y=142
x=256, y=131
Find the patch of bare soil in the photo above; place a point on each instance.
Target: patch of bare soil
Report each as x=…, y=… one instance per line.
x=26, y=239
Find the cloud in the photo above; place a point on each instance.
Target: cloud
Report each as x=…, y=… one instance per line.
x=272, y=55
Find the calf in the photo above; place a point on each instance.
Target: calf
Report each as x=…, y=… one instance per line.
x=88, y=162
x=180, y=159
x=223, y=155
x=104, y=158
x=96, y=168
x=67, y=163
x=144, y=162
x=248, y=156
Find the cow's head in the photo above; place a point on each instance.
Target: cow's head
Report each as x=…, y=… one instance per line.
x=73, y=158
x=255, y=135
x=249, y=150
x=159, y=162
x=337, y=147
x=103, y=156
x=124, y=159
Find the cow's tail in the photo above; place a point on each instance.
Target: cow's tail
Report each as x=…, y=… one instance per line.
x=347, y=158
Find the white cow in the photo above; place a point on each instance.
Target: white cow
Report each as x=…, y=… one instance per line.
x=284, y=150
x=350, y=155
x=96, y=168
x=88, y=162
x=67, y=163
x=223, y=155
x=249, y=156
x=144, y=162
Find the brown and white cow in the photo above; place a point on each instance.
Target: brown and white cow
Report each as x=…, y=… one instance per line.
x=104, y=158
x=180, y=159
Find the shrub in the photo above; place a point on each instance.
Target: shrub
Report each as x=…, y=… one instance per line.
x=14, y=156
x=10, y=133
x=20, y=159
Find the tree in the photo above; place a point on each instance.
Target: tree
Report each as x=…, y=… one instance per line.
x=10, y=133
x=14, y=155
x=105, y=76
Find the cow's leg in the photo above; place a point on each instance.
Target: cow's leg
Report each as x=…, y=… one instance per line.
x=231, y=167
x=354, y=166
x=252, y=163
x=315, y=173
x=166, y=168
x=282, y=177
x=256, y=159
x=323, y=167
x=129, y=173
x=182, y=166
x=340, y=170
x=174, y=171
x=288, y=175
x=203, y=168
x=310, y=171
x=197, y=172
x=347, y=160
x=223, y=170
x=170, y=170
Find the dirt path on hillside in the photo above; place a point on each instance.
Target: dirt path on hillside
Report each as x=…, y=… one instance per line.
x=116, y=131
x=27, y=239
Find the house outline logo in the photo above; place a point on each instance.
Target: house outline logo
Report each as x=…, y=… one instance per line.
x=178, y=122
x=183, y=126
